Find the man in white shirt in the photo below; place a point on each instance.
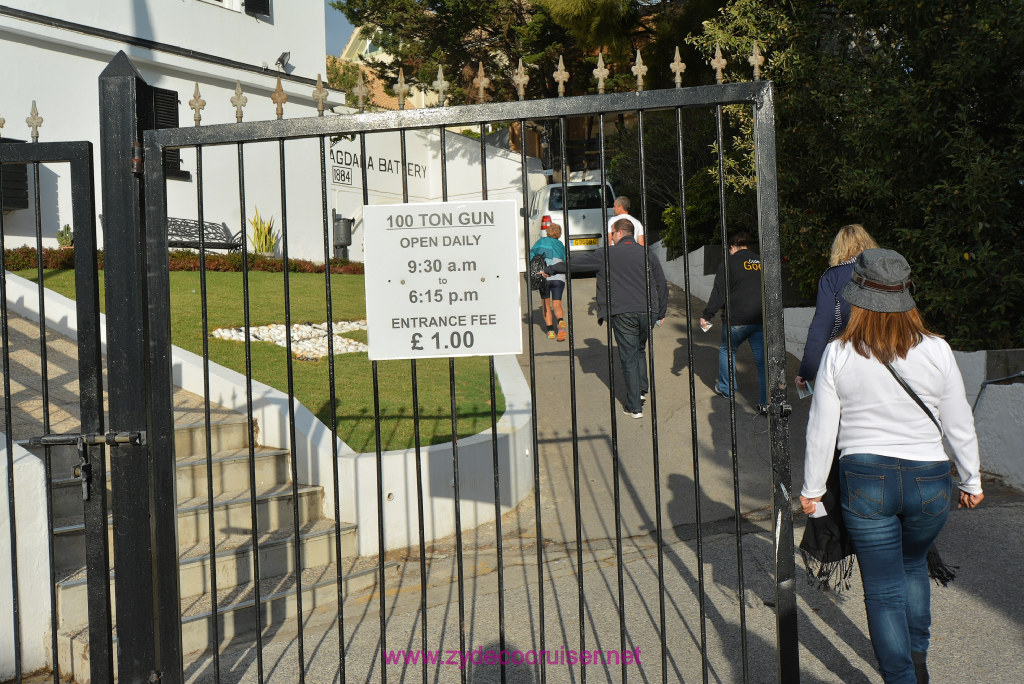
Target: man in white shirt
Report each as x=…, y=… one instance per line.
x=621, y=211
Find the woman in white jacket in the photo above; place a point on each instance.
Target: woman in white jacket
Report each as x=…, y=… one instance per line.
x=895, y=481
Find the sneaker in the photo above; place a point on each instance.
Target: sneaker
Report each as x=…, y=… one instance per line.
x=643, y=398
x=714, y=388
x=562, y=331
x=551, y=334
x=627, y=412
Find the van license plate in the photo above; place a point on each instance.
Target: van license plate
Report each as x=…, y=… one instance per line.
x=584, y=241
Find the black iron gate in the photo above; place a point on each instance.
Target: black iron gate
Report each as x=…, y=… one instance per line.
x=248, y=610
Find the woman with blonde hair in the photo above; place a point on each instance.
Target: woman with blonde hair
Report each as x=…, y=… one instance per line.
x=832, y=311
x=888, y=390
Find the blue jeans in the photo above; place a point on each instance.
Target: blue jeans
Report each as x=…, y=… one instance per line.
x=894, y=509
x=631, y=332
x=741, y=333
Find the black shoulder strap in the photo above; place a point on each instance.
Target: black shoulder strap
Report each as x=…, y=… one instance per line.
x=913, y=395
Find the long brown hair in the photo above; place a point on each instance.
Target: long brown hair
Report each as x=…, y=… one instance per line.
x=884, y=336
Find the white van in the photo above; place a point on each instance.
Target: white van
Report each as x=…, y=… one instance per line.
x=586, y=220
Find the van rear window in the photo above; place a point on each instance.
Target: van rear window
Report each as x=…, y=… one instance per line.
x=582, y=197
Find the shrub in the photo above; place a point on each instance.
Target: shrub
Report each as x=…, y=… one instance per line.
x=24, y=258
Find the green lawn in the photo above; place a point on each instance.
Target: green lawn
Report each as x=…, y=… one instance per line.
x=353, y=372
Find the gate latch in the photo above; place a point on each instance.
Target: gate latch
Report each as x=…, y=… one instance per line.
x=83, y=470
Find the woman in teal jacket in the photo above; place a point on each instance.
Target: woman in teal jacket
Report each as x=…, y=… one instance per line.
x=553, y=251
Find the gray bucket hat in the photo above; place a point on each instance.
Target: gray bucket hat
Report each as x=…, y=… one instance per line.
x=880, y=282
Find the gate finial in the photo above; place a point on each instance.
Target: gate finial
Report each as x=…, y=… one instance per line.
x=600, y=73
x=639, y=69
x=678, y=67
x=360, y=91
x=197, y=104
x=756, y=60
x=279, y=98
x=440, y=85
x=320, y=95
x=481, y=81
x=34, y=121
x=718, y=63
x=401, y=89
x=521, y=78
x=561, y=76
x=238, y=101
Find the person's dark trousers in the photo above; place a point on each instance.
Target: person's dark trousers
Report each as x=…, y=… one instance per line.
x=631, y=333
x=740, y=334
x=894, y=509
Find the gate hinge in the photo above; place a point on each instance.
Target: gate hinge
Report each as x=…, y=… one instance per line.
x=137, y=158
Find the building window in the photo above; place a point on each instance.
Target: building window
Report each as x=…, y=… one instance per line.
x=165, y=115
x=14, y=183
x=258, y=7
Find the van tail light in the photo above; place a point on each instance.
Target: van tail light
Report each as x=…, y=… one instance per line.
x=545, y=223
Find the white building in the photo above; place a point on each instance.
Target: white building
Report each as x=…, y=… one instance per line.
x=54, y=51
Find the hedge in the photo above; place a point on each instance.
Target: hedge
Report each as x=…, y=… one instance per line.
x=23, y=258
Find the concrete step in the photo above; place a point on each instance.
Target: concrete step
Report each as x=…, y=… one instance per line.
x=232, y=516
x=226, y=433
x=233, y=556
x=230, y=470
x=236, y=616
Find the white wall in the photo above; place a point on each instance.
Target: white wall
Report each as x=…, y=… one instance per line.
x=33, y=563
x=62, y=72
x=216, y=28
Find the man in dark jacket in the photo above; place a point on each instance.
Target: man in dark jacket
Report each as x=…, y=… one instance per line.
x=745, y=299
x=629, y=306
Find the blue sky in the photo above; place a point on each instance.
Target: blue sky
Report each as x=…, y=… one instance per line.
x=338, y=30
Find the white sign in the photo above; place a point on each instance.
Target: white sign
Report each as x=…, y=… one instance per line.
x=442, y=279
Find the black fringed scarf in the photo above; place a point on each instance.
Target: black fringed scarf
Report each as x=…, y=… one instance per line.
x=826, y=546
x=828, y=551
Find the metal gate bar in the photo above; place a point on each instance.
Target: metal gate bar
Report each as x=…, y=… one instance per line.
x=727, y=329
x=333, y=394
x=207, y=423
x=694, y=443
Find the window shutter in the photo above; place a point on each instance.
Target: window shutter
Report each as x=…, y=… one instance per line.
x=14, y=183
x=257, y=7
x=165, y=115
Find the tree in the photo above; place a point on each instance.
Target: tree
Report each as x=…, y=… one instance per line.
x=906, y=118
x=459, y=35
x=341, y=75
